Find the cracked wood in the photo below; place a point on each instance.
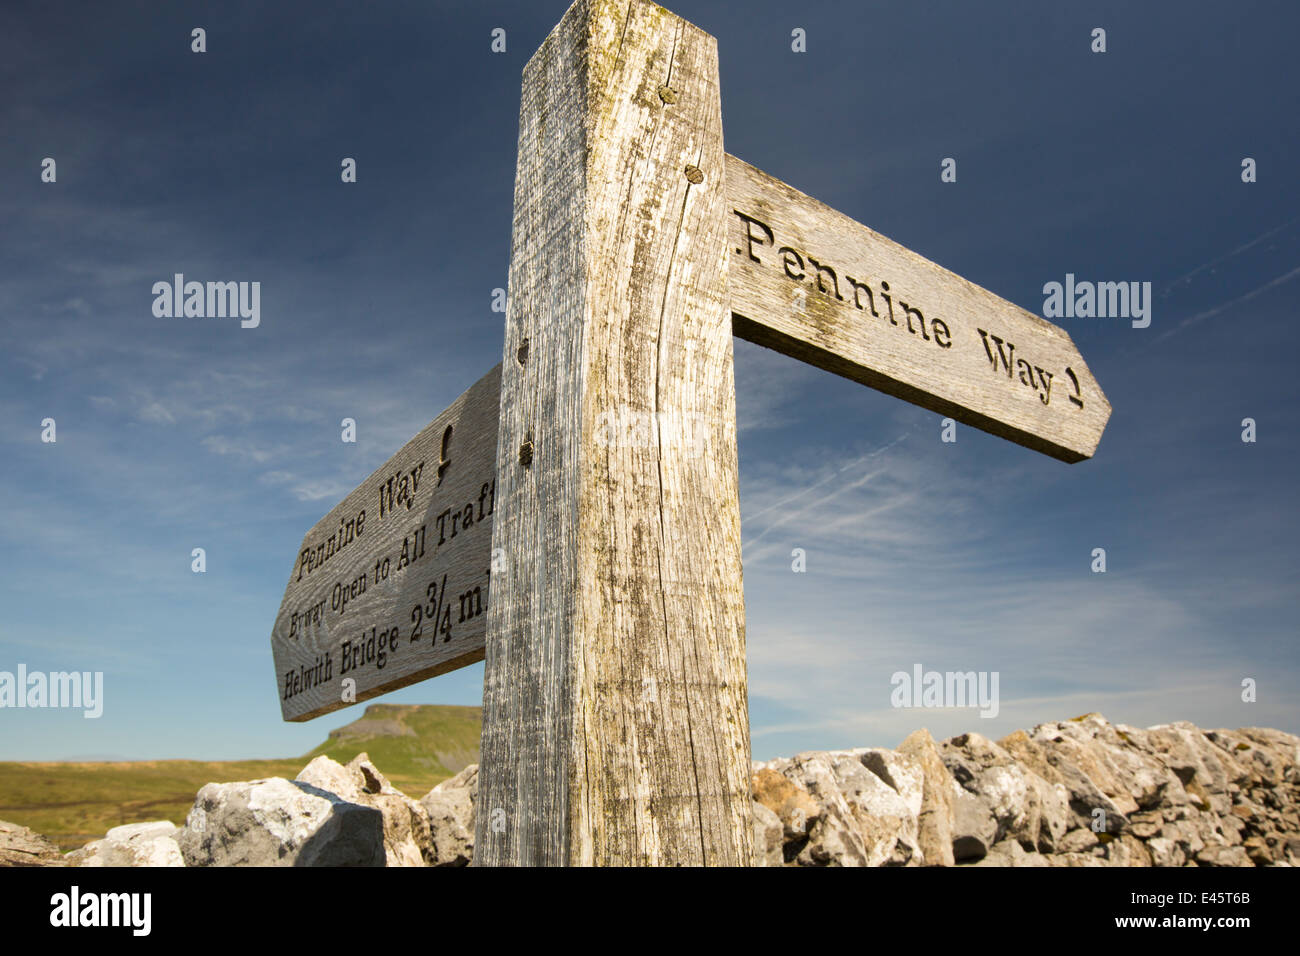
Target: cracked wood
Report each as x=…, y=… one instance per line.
x=615, y=715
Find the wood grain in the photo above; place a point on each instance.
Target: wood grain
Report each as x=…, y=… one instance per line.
x=812, y=283
x=615, y=715
x=432, y=525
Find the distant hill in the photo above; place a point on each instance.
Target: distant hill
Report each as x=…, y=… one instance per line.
x=414, y=745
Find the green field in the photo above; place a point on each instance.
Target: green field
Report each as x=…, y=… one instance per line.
x=415, y=746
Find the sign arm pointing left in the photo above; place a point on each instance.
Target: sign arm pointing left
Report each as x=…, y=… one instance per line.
x=391, y=586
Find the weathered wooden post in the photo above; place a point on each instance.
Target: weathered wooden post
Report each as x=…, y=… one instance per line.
x=599, y=461
x=615, y=716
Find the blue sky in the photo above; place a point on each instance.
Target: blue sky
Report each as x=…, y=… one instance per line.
x=375, y=305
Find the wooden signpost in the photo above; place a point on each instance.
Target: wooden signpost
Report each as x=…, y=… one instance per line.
x=615, y=711
x=391, y=586
x=812, y=283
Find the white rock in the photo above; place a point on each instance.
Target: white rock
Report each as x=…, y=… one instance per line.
x=768, y=836
x=134, y=844
x=276, y=822
x=407, y=837
x=450, y=813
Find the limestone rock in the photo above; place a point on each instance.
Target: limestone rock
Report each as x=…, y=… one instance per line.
x=1258, y=850
x=885, y=821
x=1204, y=769
x=1015, y=795
x=769, y=835
x=903, y=773
x=20, y=846
x=1078, y=841
x=934, y=824
x=467, y=779
x=450, y=813
x=1011, y=853
x=276, y=822
x=1055, y=815
x=1165, y=852
x=1220, y=855
x=1291, y=846
x=1090, y=770
x=1127, y=850
x=134, y=844
x=450, y=809
x=407, y=837
x=1082, y=792
x=832, y=837
x=792, y=804
x=974, y=829
x=1074, y=859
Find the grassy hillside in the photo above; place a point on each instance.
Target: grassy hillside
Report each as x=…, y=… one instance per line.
x=73, y=803
x=415, y=746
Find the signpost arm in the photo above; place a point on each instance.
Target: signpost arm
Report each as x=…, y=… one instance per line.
x=809, y=282
x=615, y=722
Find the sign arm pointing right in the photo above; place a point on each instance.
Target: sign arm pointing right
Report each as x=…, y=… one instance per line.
x=813, y=284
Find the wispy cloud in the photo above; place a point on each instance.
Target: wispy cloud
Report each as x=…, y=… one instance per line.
x=1232, y=303
x=902, y=567
x=223, y=445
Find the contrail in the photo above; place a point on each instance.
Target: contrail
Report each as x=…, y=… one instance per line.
x=1226, y=256
x=804, y=492
x=1227, y=305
